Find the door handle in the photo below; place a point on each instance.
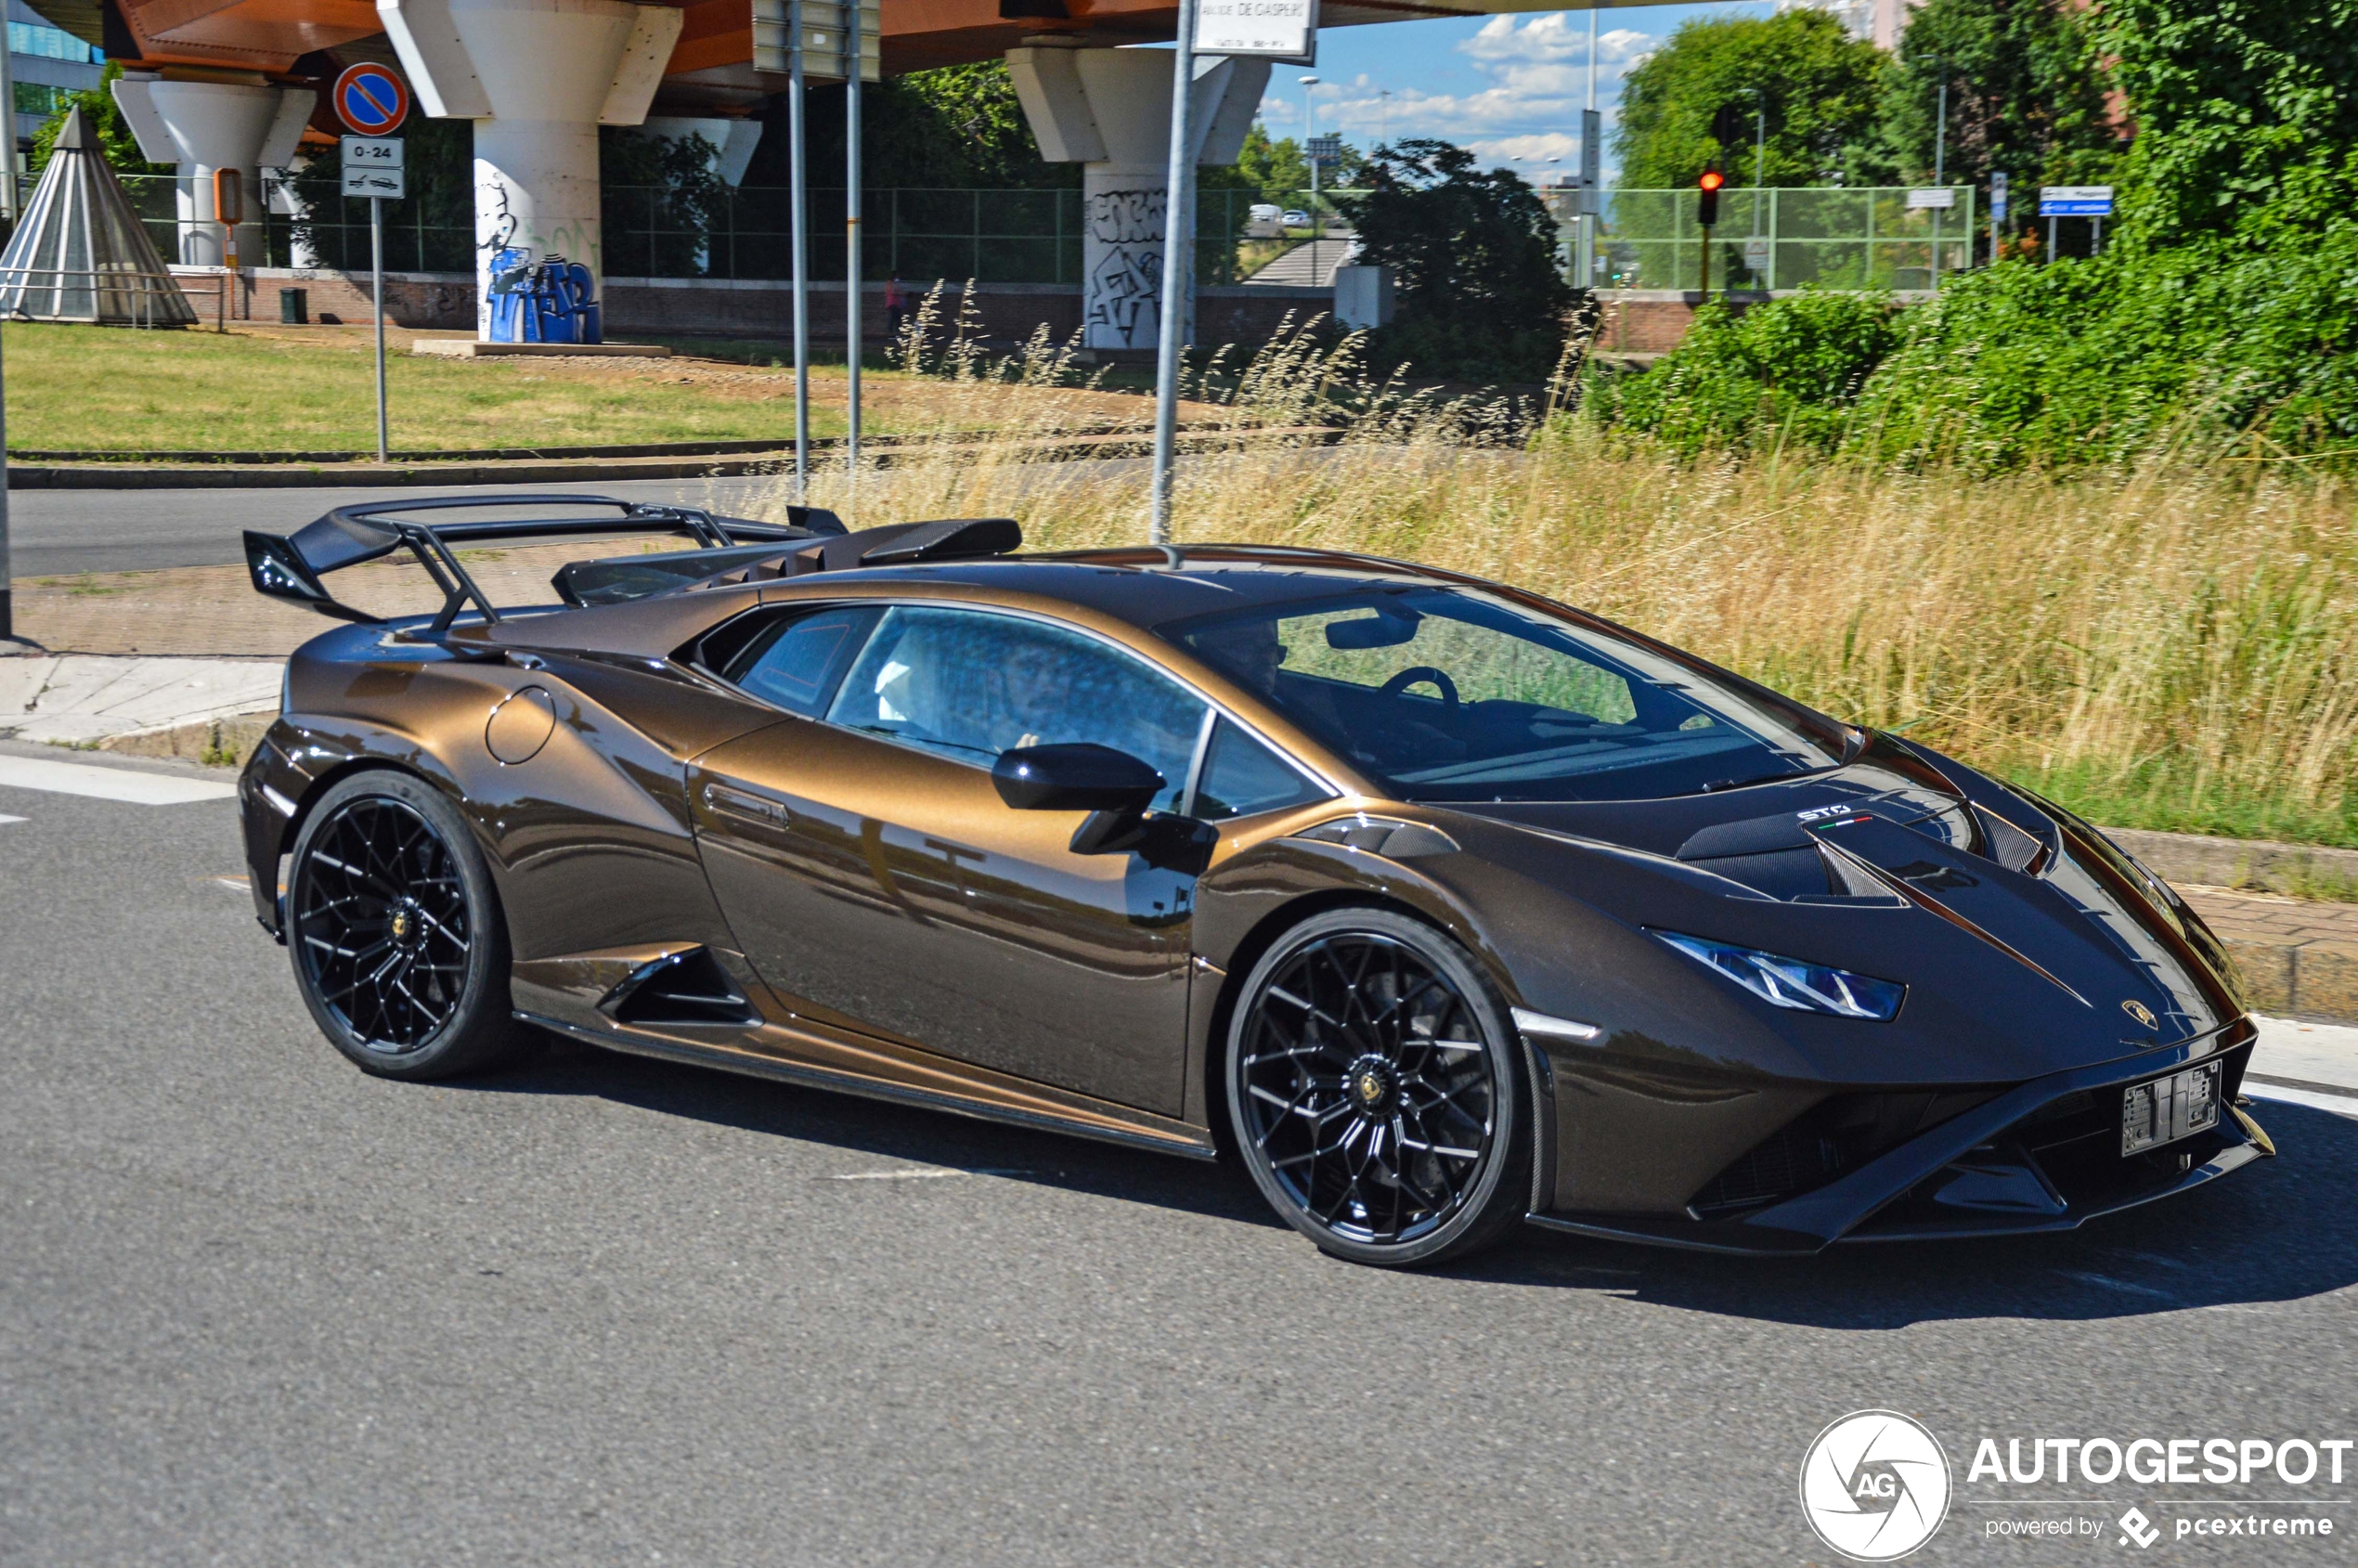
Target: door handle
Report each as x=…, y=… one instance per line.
x=746, y=807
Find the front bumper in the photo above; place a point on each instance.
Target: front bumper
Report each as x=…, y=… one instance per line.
x=2004, y=1167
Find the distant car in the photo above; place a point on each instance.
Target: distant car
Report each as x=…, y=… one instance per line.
x=1296, y=218
x=1263, y=211
x=1437, y=904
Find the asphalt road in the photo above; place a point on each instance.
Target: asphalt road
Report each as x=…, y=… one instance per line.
x=51, y=532
x=258, y=1308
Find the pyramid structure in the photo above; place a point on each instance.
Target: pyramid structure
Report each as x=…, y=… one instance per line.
x=80, y=253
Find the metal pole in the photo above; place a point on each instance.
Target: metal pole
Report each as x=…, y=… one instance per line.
x=801, y=242
x=8, y=147
x=7, y=622
x=2050, y=242
x=852, y=270
x=1940, y=168
x=1592, y=199
x=377, y=265
x=1178, y=268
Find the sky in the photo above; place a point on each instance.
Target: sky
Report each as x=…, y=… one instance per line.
x=1510, y=87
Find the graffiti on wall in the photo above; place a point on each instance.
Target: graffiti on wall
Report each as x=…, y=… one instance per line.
x=533, y=299
x=1126, y=284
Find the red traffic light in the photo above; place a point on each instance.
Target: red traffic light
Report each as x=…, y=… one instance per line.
x=1711, y=180
x=1708, y=199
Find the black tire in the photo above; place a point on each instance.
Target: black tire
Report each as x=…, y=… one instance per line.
x=399, y=945
x=1377, y=1091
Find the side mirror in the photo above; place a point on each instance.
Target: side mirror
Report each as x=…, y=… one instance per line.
x=1115, y=789
x=1077, y=777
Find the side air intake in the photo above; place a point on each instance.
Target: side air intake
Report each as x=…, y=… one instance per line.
x=687, y=988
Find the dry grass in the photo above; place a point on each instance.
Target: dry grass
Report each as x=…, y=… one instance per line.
x=2171, y=647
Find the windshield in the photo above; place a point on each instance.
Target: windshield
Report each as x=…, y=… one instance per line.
x=1448, y=695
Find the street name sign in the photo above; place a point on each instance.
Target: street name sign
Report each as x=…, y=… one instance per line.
x=1277, y=29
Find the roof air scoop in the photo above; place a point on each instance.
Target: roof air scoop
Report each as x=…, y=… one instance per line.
x=908, y=544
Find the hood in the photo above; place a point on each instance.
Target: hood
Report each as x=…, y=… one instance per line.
x=1909, y=867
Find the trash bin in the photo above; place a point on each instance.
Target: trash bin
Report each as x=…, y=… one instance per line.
x=294, y=307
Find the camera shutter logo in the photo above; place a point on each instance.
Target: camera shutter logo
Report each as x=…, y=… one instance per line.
x=1875, y=1485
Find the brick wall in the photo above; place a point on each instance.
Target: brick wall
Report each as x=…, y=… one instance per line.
x=1653, y=321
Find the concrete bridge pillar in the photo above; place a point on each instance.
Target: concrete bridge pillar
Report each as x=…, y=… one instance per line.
x=203, y=127
x=1109, y=111
x=538, y=77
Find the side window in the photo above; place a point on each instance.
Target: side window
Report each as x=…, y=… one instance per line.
x=796, y=661
x=970, y=684
x=1241, y=776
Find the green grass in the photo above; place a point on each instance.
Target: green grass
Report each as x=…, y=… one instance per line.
x=104, y=388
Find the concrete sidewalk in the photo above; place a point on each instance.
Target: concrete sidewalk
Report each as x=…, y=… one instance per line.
x=78, y=699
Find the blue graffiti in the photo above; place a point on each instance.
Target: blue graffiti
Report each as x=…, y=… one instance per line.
x=552, y=301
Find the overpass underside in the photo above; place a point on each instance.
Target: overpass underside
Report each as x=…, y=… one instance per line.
x=244, y=85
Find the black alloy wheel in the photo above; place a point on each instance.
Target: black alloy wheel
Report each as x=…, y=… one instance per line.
x=400, y=946
x=1378, y=1093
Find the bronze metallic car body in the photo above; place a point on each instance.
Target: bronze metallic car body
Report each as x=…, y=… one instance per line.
x=691, y=873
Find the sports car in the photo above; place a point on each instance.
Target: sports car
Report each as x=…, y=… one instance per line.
x=1439, y=906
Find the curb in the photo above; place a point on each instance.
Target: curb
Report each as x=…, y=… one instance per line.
x=2299, y=871
x=280, y=475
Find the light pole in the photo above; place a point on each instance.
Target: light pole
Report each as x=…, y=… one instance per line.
x=1383, y=114
x=1763, y=277
x=1939, y=165
x=1309, y=123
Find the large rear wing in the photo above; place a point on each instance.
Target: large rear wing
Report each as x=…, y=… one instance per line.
x=290, y=566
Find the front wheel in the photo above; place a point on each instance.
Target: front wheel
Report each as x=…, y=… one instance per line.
x=400, y=946
x=1378, y=1093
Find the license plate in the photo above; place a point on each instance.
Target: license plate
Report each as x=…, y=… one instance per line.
x=2169, y=1108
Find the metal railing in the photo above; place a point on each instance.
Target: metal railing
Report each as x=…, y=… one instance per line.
x=109, y=295
x=922, y=234
x=1858, y=238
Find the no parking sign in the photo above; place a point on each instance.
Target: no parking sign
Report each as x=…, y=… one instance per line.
x=370, y=99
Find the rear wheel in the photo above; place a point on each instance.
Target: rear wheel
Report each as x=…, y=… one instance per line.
x=400, y=949
x=1377, y=1091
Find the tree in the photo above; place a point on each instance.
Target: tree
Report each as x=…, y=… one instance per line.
x=1474, y=260
x=2246, y=121
x=1821, y=89
x=114, y=135
x=1273, y=170
x=2027, y=94
x=959, y=127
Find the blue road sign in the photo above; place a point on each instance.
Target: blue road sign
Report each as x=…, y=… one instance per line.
x=2074, y=202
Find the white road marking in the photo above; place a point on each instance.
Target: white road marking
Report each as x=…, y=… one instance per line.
x=2108, y=1282
x=915, y=1175
x=108, y=783
x=4, y=818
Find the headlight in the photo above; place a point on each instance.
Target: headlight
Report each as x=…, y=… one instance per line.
x=1790, y=982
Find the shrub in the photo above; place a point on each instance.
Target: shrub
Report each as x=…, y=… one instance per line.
x=1785, y=371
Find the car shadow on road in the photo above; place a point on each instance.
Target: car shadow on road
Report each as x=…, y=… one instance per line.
x=2277, y=1231
x=935, y=1139
x=2281, y=1230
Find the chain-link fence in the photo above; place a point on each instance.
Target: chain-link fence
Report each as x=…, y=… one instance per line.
x=922, y=235
x=1863, y=238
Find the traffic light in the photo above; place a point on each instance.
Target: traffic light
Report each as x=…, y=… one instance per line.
x=1708, y=197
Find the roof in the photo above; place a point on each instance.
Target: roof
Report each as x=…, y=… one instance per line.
x=1142, y=587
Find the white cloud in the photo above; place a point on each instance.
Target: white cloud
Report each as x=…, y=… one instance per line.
x=1536, y=82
